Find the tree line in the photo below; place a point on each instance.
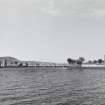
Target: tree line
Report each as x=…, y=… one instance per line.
x=98, y=61
x=78, y=61
x=81, y=60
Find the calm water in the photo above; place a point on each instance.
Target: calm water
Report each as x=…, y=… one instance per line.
x=62, y=87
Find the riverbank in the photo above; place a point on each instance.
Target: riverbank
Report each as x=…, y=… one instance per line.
x=32, y=69
x=50, y=68
x=93, y=66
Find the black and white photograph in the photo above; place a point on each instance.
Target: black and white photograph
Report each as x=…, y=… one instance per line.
x=52, y=52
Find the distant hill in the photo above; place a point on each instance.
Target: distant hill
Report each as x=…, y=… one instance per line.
x=8, y=58
x=8, y=61
x=11, y=61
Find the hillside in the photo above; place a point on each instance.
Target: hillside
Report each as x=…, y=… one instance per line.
x=11, y=61
x=8, y=58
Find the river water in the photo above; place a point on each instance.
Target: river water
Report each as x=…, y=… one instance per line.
x=58, y=87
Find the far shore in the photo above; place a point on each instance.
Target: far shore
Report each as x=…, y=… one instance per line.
x=54, y=68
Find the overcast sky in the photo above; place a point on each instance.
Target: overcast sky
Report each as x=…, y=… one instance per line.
x=52, y=30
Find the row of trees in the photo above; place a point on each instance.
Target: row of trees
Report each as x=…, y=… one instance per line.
x=79, y=61
x=99, y=61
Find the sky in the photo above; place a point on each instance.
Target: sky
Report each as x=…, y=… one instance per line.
x=52, y=30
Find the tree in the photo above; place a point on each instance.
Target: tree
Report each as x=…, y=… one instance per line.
x=95, y=61
x=70, y=61
x=20, y=65
x=100, y=61
x=79, y=62
x=16, y=62
x=89, y=62
x=82, y=59
x=5, y=63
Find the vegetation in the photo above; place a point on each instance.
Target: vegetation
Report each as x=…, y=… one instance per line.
x=20, y=65
x=99, y=61
x=0, y=64
x=79, y=61
x=5, y=63
x=13, y=62
x=70, y=61
x=26, y=64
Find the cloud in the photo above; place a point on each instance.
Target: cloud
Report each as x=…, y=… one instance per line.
x=74, y=7
x=90, y=8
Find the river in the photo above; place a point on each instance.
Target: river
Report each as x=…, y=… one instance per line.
x=58, y=87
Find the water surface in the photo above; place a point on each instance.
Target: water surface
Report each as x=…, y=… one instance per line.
x=58, y=87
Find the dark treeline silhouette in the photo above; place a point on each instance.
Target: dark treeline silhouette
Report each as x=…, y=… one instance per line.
x=98, y=61
x=79, y=61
